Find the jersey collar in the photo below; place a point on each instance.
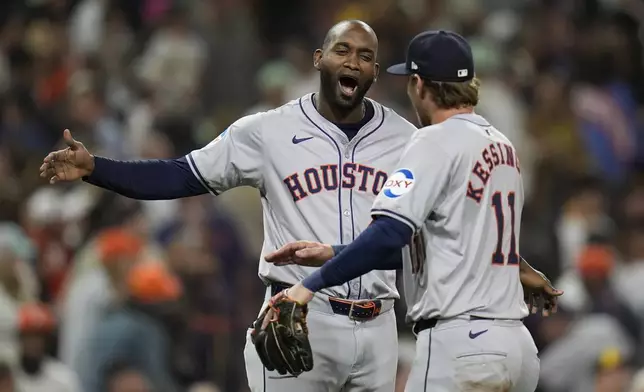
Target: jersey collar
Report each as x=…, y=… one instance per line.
x=473, y=118
x=306, y=102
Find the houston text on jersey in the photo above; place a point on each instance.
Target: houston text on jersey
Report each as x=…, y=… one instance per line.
x=325, y=177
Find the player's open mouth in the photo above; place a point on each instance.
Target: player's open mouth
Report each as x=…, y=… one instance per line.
x=348, y=85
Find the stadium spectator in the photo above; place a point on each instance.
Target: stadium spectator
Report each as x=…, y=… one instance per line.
x=139, y=332
x=172, y=64
x=574, y=343
x=273, y=79
x=38, y=371
x=614, y=372
x=591, y=289
x=93, y=293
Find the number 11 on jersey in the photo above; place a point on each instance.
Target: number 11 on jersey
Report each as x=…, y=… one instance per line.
x=498, y=257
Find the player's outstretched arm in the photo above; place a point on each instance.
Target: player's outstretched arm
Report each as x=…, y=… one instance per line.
x=145, y=179
x=306, y=253
x=315, y=254
x=373, y=249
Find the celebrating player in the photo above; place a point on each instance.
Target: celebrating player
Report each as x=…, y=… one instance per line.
x=319, y=163
x=455, y=200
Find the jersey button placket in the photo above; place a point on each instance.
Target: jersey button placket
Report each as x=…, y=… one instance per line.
x=354, y=285
x=346, y=221
x=347, y=226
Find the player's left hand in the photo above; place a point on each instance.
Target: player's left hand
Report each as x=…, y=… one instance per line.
x=298, y=294
x=280, y=335
x=539, y=292
x=306, y=253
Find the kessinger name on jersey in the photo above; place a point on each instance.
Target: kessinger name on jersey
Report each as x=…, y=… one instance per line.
x=494, y=155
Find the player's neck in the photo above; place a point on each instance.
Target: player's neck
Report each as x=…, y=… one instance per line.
x=443, y=114
x=336, y=114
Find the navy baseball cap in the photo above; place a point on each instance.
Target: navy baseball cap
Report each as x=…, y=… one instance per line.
x=439, y=56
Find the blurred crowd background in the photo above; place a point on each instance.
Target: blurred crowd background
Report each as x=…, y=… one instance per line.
x=92, y=283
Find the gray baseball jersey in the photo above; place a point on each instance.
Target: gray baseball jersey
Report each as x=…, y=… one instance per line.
x=315, y=183
x=458, y=186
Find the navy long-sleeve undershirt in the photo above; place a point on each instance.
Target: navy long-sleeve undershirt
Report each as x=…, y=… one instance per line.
x=393, y=262
x=375, y=248
x=154, y=179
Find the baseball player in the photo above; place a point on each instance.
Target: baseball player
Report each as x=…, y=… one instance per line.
x=319, y=163
x=455, y=203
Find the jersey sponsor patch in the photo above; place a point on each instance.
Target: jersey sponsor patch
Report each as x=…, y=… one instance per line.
x=399, y=183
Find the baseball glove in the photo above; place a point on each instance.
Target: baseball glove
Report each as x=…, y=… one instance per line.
x=283, y=345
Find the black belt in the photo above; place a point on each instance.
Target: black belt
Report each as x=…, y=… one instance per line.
x=424, y=324
x=355, y=310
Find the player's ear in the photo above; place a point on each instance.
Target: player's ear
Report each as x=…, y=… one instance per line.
x=418, y=85
x=421, y=88
x=317, y=58
x=376, y=72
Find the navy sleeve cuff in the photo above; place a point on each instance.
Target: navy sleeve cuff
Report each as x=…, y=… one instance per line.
x=99, y=169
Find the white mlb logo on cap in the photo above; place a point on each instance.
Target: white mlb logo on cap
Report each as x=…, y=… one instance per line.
x=462, y=72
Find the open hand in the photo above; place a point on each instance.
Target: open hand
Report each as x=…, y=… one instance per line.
x=306, y=253
x=70, y=164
